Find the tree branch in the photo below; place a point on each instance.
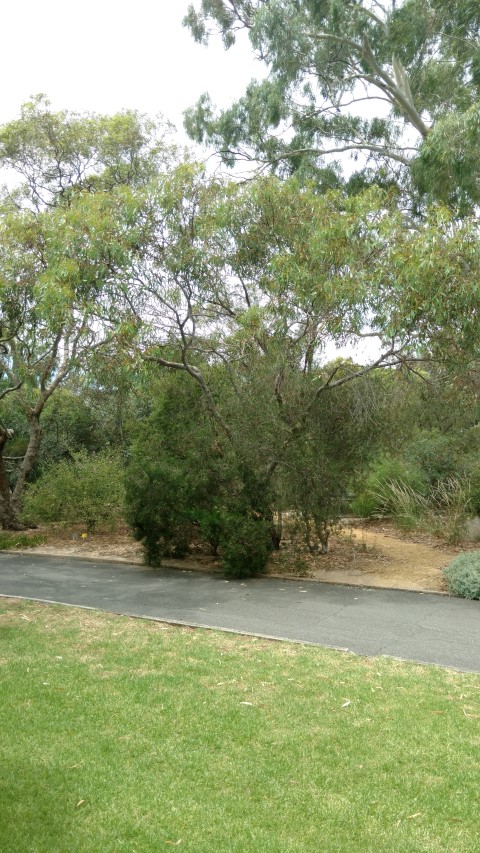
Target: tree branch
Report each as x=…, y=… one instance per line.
x=9, y=390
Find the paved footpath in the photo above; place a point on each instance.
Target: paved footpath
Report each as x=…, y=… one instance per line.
x=421, y=627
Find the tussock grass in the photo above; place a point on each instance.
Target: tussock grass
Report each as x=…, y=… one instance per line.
x=443, y=512
x=121, y=734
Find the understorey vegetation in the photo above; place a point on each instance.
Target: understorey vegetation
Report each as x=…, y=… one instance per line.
x=204, y=357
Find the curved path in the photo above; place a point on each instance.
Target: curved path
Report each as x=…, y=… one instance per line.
x=420, y=627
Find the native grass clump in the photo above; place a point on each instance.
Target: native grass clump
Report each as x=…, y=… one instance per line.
x=431, y=482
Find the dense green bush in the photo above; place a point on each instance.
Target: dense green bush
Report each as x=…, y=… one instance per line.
x=319, y=470
x=246, y=543
x=435, y=455
x=463, y=575
x=88, y=489
x=472, y=474
x=184, y=484
x=174, y=473
x=159, y=497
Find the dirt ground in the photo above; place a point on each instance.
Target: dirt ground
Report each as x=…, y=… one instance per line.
x=373, y=554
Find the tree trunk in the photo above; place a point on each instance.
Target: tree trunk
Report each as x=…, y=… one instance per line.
x=11, y=500
x=323, y=533
x=8, y=520
x=31, y=456
x=277, y=531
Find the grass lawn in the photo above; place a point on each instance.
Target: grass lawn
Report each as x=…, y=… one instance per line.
x=124, y=735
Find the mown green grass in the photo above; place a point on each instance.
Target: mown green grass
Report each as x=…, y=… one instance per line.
x=124, y=735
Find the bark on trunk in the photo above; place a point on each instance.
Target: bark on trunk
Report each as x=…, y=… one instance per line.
x=323, y=533
x=8, y=520
x=28, y=462
x=277, y=531
x=11, y=501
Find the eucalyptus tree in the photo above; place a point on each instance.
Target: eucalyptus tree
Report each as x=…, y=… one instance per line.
x=240, y=289
x=69, y=228
x=395, y=84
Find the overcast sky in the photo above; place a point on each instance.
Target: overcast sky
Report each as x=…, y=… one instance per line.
x=105, y=55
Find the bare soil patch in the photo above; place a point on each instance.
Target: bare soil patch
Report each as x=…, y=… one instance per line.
x=372, y=554
x=75, y=541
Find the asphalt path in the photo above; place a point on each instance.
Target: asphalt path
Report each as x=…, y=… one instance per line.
x=425, y=627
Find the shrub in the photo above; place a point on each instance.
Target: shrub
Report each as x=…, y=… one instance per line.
x=159, y=499
x=463, y=575
x=246, y=543
x=437, y=456
x=86, y=489
x=472, y=473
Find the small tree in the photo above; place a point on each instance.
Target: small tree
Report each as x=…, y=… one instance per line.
x=67, y=234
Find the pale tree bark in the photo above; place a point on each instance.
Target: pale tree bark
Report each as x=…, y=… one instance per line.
x=11, y=499
x=8, y=516
x=29, y=459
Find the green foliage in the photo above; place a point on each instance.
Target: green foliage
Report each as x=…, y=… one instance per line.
x=419, y=55
x=385, y=474
x=246, y=542
x=69, y=231
x=69, y=425
x=66, y=152
x=472, y=474
x=11, y=541
x=183, y=484
x=159, y=508
x=463, y=575
x=88, y=489
x=436, y=455
x=320, y=468
x=172, y=479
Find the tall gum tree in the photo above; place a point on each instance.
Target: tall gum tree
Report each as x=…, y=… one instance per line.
x=272, y=271
x=259, y=277
x=394, y=83
x=69, y=229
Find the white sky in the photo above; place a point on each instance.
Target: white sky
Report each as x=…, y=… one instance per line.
x=107, y=55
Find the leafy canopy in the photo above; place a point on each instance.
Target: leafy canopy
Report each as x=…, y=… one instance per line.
x=396, y=84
